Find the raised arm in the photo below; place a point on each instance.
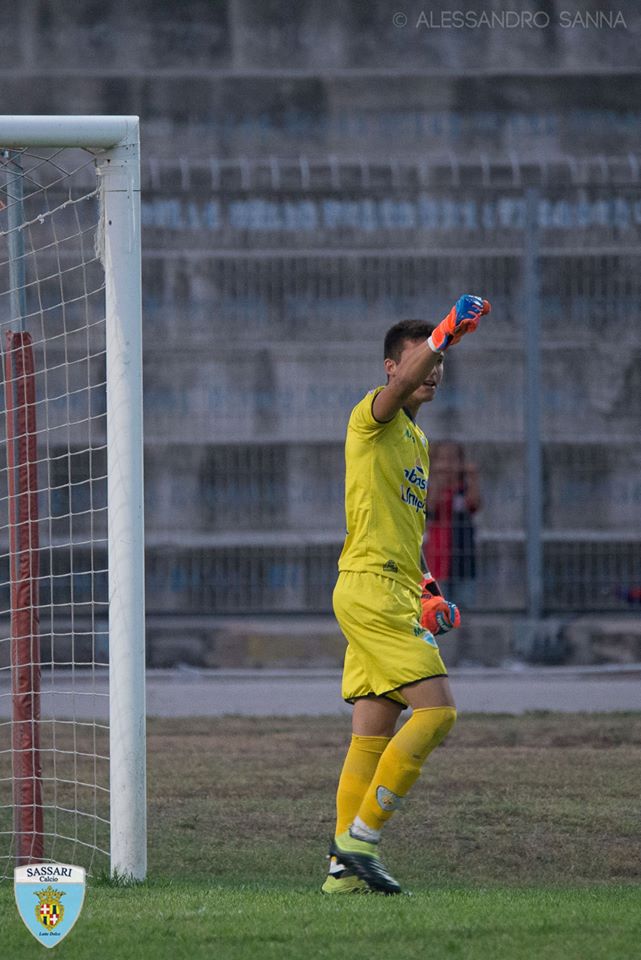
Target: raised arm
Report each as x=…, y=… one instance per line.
x=416, y=364
x=411, y=370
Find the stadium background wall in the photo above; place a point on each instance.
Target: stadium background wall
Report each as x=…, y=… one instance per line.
x=292, y=213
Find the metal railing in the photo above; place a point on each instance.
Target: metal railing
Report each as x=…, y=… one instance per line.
x=269, y=286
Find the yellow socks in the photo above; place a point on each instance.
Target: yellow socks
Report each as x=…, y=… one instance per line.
x=399, y=766
x=360, y=765
x=379, y=771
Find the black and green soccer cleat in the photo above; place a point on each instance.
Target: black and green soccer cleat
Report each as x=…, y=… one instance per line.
x=347, y=882
x=342, y=880
x=364, y=860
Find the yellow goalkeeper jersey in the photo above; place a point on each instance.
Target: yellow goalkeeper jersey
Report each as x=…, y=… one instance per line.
x=386, y=473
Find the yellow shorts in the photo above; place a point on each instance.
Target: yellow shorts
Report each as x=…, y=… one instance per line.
x=387, y=647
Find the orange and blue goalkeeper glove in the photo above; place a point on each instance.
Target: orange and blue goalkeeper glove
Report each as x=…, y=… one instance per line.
x=463, y=318
x=438, y=615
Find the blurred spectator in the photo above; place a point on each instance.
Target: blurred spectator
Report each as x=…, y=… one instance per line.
x=453, y=498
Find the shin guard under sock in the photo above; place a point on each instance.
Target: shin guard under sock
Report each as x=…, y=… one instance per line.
x=401, y=761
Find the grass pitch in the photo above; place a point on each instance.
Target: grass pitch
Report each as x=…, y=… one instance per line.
x=521, y=840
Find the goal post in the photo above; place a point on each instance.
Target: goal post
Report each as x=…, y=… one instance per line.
x=111, y=148
x=120, y=170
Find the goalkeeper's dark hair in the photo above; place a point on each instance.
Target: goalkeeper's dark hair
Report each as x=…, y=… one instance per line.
x=402, y=331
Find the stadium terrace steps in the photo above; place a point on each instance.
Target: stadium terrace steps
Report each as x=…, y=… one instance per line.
x=489, y=640
x=299, y=641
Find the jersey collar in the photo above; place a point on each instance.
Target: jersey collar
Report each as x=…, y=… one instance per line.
x=408, y=414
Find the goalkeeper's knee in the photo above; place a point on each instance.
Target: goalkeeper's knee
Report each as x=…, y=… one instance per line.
x=426, y=728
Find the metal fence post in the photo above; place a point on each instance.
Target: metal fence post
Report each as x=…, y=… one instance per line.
x=532, y=410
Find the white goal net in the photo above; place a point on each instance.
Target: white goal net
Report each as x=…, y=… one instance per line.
x=71, y=596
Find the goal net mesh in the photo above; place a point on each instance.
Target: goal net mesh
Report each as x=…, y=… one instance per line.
x=52, y=314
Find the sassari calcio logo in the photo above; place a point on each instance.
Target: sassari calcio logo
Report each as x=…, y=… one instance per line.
x=40, y=889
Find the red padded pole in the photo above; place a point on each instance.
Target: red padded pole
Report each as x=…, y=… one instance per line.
x=20, y=396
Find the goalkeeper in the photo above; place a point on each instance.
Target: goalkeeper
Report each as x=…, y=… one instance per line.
x=392, y=661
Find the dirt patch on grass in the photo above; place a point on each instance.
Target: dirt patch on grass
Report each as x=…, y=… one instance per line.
x=538, y=798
